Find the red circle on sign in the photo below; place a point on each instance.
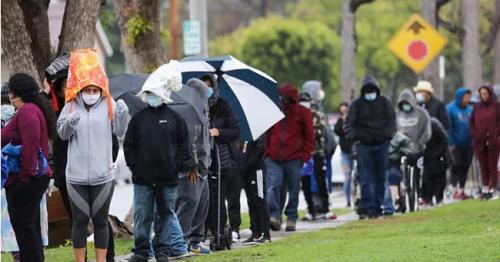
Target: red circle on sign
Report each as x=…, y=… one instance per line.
x=417, y=49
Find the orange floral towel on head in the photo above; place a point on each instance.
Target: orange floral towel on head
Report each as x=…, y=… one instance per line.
x=85, y=70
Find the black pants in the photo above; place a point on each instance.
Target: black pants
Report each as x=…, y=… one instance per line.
x=433, y=186
x=232, y=188
x=23, y=200
x=217, y=204
x=319, y=173
x=462, y=158
x=110, y=255
x=255, y=190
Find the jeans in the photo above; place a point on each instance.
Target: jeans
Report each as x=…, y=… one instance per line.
x=277, y=172
x=462, y=158
x=168, y=238
x=388, y=205
x=346, y=162
x=372, y=163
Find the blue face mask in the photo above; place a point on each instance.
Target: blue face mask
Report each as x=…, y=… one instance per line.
x=8, y=112
x=371, y=96
x=210, y=92
x=154, y=100
x=406, y=107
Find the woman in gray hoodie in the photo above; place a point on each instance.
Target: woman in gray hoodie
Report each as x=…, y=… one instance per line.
x=88, y=120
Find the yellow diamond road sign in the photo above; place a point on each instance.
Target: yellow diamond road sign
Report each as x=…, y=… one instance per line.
x=417, y=43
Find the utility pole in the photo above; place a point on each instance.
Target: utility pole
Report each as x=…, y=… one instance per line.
x=174, y=29
x=198, y=11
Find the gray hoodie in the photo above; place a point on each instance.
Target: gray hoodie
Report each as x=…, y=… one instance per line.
x=415, y=124
x=195, y=93
x=90, y=140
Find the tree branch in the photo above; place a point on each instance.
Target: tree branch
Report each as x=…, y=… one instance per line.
x=440, y=3
x=492, y=35
x=355, y=4
x=458, y=30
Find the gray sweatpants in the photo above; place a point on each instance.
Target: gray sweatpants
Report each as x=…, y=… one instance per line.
x=192, y=208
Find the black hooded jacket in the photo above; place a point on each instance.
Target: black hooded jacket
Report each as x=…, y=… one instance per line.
x=437, y=109
x=371, y=122
x=436, y=150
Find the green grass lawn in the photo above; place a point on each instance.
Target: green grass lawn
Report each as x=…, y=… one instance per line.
x=467, y=231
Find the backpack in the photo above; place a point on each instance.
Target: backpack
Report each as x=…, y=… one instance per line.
x=330, y=144
x=13, y=157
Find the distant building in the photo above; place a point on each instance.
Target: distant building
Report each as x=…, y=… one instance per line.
x=55, y=15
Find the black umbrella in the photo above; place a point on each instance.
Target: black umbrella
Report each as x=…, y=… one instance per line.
x=121, y=84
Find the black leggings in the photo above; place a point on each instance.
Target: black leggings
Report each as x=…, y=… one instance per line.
x=90, y=202
x=319, y=175
x=462, y=158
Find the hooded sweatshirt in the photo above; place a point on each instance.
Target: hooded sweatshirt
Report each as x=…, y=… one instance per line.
x=459, y=134
x=485, y=122
x=90, y=139
x=292, y=137
x=371, y=122
x=416, y=123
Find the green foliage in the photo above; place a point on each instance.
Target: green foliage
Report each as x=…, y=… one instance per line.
x=137, y=25
x=288, y=50
x=107, y=17
x=166, y=38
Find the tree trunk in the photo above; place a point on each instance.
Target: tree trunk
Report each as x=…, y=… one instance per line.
x=348, y=63
x=143, y=52
x=471, y=57
x=497, y=46
x=16, y=43
x=78, y=28
x=37, y=24
x=431, y=73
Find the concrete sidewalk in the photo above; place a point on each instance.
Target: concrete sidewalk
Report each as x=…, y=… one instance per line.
x=302, y=227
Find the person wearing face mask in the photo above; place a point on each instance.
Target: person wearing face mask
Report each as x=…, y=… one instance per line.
x=32, y=127
x=157, y=148
x=8, y=110
x=371, y=122
x=319, y=167
x=88, y=120
x=289, y=145
x=424, y=93
x=414, y=122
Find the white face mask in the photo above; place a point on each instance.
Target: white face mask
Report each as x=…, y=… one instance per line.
x=90, y=99
x=420, y=98
x=321, y=95
x=8, y=112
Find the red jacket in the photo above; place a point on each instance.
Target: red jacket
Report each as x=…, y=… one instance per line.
x=485, y=123
x=293, y=137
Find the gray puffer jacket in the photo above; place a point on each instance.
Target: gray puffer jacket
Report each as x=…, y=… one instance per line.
x=90, y=140
x=416, y=124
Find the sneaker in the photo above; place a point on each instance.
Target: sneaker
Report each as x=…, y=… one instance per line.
x=235, y=235
x=330, y=216
x=200, y=249
x=309, y=217
x=456, y=195
x=177, y=257
x=464, y=196
x=421, y=201
x=363, y=216
x=249, y=241
x=262, y=240
x=162, y=258
x=290, y=226
x=275, y=224
x=137, y=258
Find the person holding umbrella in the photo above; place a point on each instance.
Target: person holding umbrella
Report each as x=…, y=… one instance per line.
x=88, y=120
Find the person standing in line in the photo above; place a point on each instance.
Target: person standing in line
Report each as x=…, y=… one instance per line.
x=485, y=129
x=193, y=195
x=289, y=144
x=88, y=120
x=372, y=122
x=460, y=141
x=31, y=128
x=424, y=93
x=156, y=149
x=346, y=148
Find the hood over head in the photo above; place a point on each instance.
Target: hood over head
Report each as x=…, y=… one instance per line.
x=290, y=91
x=163, y=81
x=313, y=88
x=459, y=95
x=369, y=85
x=215, y=86
x=407, y=96
x=488, y=88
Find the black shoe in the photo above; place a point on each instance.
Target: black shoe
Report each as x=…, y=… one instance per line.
x=275, y=224
x=262, y=240
x=249, y=240
x=162, y=258
x=137, y=258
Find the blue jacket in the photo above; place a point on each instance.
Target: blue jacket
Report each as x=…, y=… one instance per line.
x=459, y=133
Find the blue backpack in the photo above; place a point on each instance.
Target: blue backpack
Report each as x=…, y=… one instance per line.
x=12, y=155
x=5, y=170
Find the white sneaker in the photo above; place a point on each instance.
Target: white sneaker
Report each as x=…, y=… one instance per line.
x=235, y=236
x=308, y=217
x=329, y=216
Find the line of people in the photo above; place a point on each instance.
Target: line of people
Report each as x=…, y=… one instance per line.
x=421, y=128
